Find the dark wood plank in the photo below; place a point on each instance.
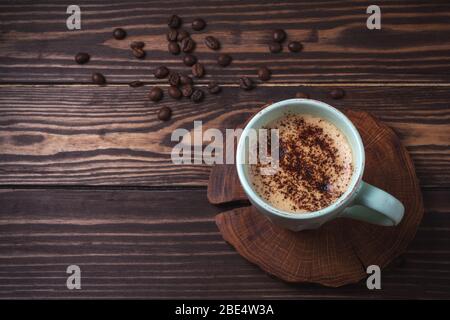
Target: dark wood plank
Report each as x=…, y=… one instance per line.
x=82, y=135
x=164, y=244
x=412, y=46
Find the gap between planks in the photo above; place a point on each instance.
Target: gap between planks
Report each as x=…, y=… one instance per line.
x=290, y=84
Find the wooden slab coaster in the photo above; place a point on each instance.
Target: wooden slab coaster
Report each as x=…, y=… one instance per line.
x=339, y=252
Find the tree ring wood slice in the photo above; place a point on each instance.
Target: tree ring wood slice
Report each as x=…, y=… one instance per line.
x=339, y=252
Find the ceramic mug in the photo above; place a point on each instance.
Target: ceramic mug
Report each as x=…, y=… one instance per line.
x=360, y=201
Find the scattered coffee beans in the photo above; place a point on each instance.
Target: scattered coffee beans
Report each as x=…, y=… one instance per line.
x=337, y=93
x=275, y=47
x=155, y=94
x=174, y=92
x=161, y=72
x=172, y=34
x=224, y=60
x=139, y=53
x=212, y=43
x=164, y=114
x=197, y=70
x=246, y=83
x=264, y=74
x=174, y=21
x=198, y=24
x=98, y=78
x=82, y=57
x=295, y=46
x=135, y=84
x=302, y=95
x=189, y=60
x=137, y=45
x=187, y=90
x=279, y=35
x=119, y=34
x=214, y=88
x=184, y=79
x=174, y=48
x=187, y=45
x=182, y=34
x=174, y=79
x=197, y=95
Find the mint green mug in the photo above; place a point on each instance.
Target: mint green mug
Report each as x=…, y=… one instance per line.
x=361, y=201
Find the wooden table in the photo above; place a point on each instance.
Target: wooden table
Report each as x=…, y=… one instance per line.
x=85, y=171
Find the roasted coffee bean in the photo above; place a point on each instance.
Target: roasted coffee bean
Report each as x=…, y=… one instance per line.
x=139, y=53
x=98, y=78
x=174, y=21
x=213, y=87
x=174, y=48
x=295, y=46
x=161, y=72
x=182, y=34
x=155, y=94
x=164, y=114
x=198, y=24
x=172, y=34
x=212, y=43
x=264, y=74
x=184, y=79
x=137, y=45
x=187, y=90
x=279, y=35
x=197, y=95
x=197, y=70
x=174, y=92
x=302, y=95
x=275, y=47
x=189, y=60
x=187, y=45
x=337, y=93
x=82, y=57
x=135, y=84
x=174, y=79
x=119, y=34
x=224, y=60
x=246, y=83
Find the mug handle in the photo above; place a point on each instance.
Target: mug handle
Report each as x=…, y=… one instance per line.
x=375, y=206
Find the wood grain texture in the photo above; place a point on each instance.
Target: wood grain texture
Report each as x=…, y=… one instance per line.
x=164, y=244
x=82, y=135
x=412, y=46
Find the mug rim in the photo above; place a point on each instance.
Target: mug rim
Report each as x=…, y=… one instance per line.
x=254, y=196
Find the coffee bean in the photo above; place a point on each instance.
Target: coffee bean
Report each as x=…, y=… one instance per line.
x=155, y=94
x=119, y=34
x=172, y=34
x=174, y=48
x=164, y=114
x=213, y=87
x=295, y=46
x=337, y=93
x=138, y=53
x=187, y=44
x=246, y=83
x=184, y=79
x=197, y=70
x=174, y=79
x=82, y=57
x=189, y=60
x=302, y=95
x=264, y=74
x=224, y=60
x=137, y=45
x=161, y=72
x=212, y=43
x=198, y=24
x=174, y=21
x=174, y=92
x=187, y=90
x=182, y=34
x=197, y=95
x=275, y=47
x=279, y=35
x=98, y=78
x=135, y=84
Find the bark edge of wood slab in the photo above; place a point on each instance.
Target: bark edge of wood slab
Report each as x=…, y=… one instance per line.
x=339, y=252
